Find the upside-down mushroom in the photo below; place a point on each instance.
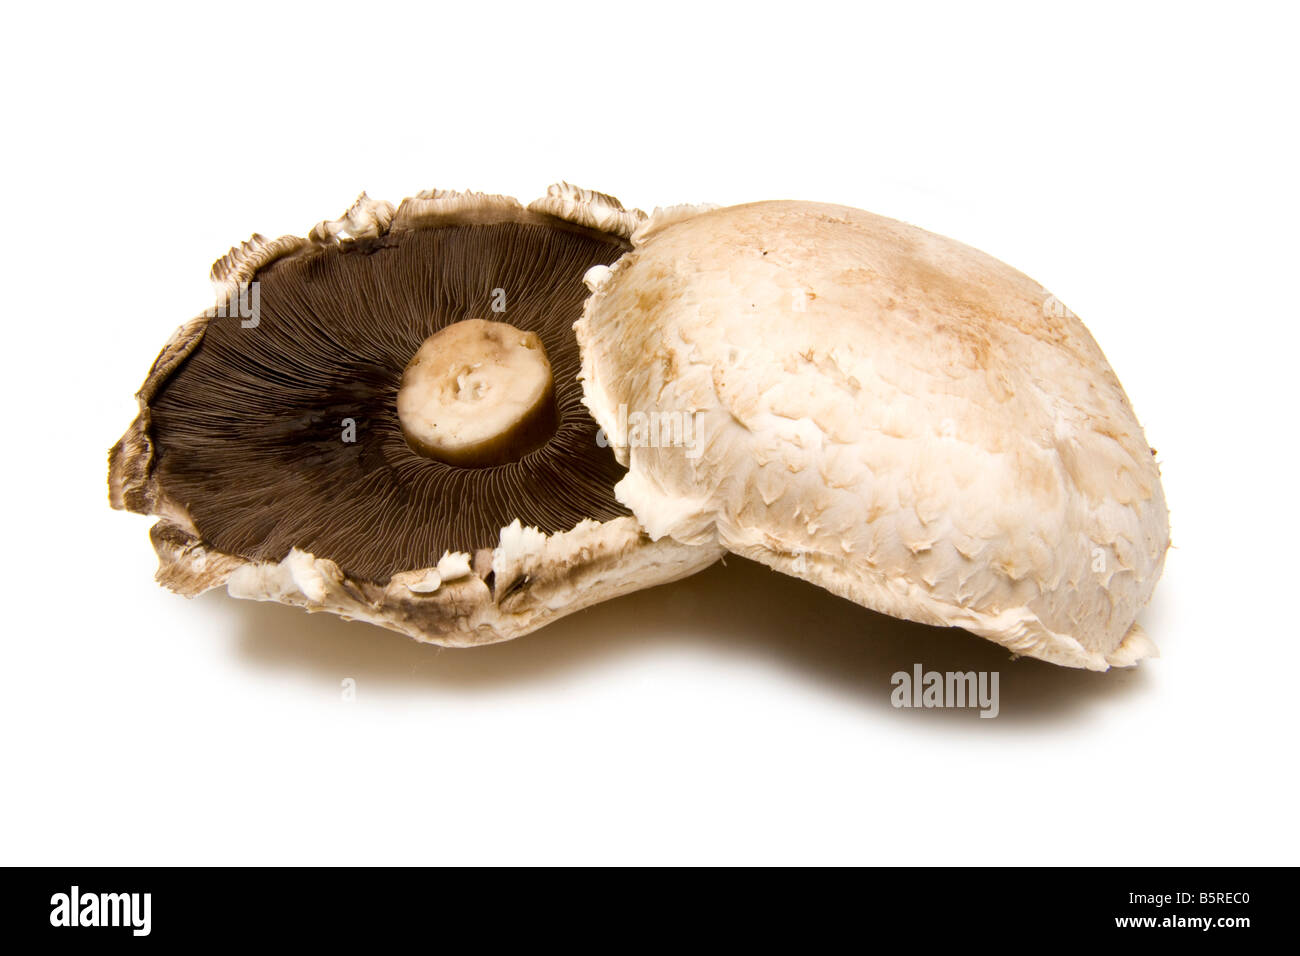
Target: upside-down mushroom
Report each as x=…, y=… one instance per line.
x=892, y=415
x=383, y=420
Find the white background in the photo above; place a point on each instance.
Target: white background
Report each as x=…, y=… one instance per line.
x=1141, y=161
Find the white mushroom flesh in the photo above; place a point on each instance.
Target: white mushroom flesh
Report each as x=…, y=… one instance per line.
x=476, y=393
x=888, y=413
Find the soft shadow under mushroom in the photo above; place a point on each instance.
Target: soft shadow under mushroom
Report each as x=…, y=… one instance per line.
x=739, y=608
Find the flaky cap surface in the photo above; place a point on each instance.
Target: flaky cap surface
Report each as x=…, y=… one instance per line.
x=885, y=412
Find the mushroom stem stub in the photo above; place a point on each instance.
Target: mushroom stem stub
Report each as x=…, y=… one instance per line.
x=477, y=393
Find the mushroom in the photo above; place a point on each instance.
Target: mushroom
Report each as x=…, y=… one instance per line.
x=892, y=415
x=383, y=420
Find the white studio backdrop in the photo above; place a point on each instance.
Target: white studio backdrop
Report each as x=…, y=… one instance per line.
x=1137, y=159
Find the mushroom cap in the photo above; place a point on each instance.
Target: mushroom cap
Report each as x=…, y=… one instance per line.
x=275, y=540
x=887, y=413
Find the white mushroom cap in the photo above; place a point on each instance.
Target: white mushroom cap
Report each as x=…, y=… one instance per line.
x=887, y=413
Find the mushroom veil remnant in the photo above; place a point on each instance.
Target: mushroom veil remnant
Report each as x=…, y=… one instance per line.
x=887, y=413
x=383, y=420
